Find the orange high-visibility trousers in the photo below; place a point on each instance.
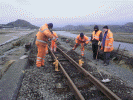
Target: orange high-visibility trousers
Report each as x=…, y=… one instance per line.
x=82, y=48
x=47, y=49
x=53, y=46
x=41, y=55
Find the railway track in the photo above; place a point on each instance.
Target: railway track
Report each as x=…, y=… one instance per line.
x=80, y=81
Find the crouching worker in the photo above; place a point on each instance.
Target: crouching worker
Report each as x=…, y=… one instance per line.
x=42, y=43
x=83, y=40
x=107, y=44
x=53, y=42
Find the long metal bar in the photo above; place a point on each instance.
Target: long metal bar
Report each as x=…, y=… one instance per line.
x=72, y=86
x=95, y=81
x=118, y=47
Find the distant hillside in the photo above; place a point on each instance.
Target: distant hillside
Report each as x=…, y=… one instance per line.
x=20, y=23
x=127, y=28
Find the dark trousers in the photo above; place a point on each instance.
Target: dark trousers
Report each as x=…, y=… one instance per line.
x=106, y=57
x=94, y=49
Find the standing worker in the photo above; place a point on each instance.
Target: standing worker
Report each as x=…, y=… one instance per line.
x=42, y=38
x=96, y=38
x=107, y=44
x=53, y=42
x=83, y=40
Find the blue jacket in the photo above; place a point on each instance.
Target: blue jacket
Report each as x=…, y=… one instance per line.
x=104, y=38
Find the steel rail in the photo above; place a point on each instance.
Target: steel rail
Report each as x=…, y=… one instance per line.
x=96, y=82
x=72, y=86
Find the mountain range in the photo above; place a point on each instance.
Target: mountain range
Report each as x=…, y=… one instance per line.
x=126, y=28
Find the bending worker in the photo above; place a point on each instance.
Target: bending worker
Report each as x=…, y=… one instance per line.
x=96, y=38
x=107, y=44
x=53, y=42
x=83, y=40
x=42, y=38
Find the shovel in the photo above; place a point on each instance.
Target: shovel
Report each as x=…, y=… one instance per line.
x=104, y=80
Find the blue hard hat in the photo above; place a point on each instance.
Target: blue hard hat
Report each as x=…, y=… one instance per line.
x=81, y=35
x=96, y=27
x=50, y=25
x=106, y=27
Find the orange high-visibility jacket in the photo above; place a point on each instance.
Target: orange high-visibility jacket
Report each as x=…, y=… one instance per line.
x=108, y=42
x=96, y=36
x=84, y=40
x=43, y=35
x=55, y=35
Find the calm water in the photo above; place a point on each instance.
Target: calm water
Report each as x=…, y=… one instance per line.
x=128, y=46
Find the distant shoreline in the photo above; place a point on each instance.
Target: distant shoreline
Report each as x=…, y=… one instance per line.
x=117, y=36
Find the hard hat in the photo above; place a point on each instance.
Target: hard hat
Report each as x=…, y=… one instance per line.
x=50, y=25
x=96, y=27
x=106, y=27
x=81, y=35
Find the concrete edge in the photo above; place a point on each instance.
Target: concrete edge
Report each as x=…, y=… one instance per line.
x=15, y=94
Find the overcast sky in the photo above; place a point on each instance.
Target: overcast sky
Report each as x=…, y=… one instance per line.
x=63, y=12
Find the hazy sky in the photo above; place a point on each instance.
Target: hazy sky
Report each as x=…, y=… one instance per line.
x=63, y=12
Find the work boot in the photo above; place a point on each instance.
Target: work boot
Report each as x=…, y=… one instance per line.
x=94, y=58
x=106, y=64
x=55, y=52
x=43, y=66
x=97, y=59
x=38, y=67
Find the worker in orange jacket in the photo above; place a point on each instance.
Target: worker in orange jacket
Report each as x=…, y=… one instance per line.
x=42, y=38
x=53, y=42
x=96, y=38
x=83, y=40
x=107, y=44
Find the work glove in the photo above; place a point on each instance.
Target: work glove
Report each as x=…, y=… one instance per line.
x=56, y=41
x=77, y=44
x=49, y=39
x=99, y=43
x=54, y=38
x=85, y=44
x=73, y=48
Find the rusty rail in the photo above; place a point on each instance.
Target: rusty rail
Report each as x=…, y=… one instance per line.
x=95, y=81
x=72, y=86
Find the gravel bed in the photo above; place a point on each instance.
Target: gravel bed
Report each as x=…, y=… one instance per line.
x=40, y=84
x=117, y=85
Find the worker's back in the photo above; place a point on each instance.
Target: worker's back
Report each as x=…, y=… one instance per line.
x=43, y=35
